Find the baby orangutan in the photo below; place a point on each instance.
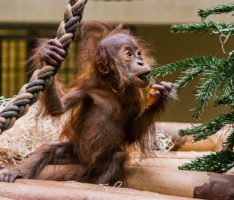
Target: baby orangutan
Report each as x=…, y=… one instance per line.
x=106, y=102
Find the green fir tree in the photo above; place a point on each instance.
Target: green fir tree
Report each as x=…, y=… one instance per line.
x=216, y=85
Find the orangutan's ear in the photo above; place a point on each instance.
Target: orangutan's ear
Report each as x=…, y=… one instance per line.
x=104, y=69
x=102, y=60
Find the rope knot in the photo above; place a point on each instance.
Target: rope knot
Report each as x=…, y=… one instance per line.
x=41, y=78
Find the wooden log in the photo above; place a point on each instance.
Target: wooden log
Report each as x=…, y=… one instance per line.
x=153, y=179
x=172, y=159
x=203, y=145
x=38, y=190
x=170, y=163
x=182, y=183
x=171, y=154
x=165, y=181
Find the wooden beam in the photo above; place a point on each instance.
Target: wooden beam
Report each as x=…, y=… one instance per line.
x=154, y=179
x=171, y=160
x=165, y=181
x=39, y=190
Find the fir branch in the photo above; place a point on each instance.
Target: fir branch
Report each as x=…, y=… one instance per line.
x=187, y=76
x=225, y=100
x=227, y=94
x=204, y=61
x=204, y=131
x=229, y=144
x=205, y=92
x=216, y=162
x=215, y=79
x=204, y=13
x=228, y=88
x=215, y=27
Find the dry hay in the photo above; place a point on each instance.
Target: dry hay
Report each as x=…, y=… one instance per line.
x=28, y=133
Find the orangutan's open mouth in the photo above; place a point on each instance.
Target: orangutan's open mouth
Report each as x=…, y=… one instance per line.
x=144, y=77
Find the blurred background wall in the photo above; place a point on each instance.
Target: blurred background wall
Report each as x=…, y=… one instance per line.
x=23, y=21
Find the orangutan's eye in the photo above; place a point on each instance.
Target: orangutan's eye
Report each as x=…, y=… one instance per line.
x=129, y=54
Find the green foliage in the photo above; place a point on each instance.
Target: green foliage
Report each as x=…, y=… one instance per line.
x=201, y=61
x=214, y=27
x=225, y=100
x=216, y=79
x=204, y=13
x=216, y=162
x=216, y=86
x=204, y=131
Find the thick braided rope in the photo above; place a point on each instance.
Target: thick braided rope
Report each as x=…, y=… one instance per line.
x=41, y=78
